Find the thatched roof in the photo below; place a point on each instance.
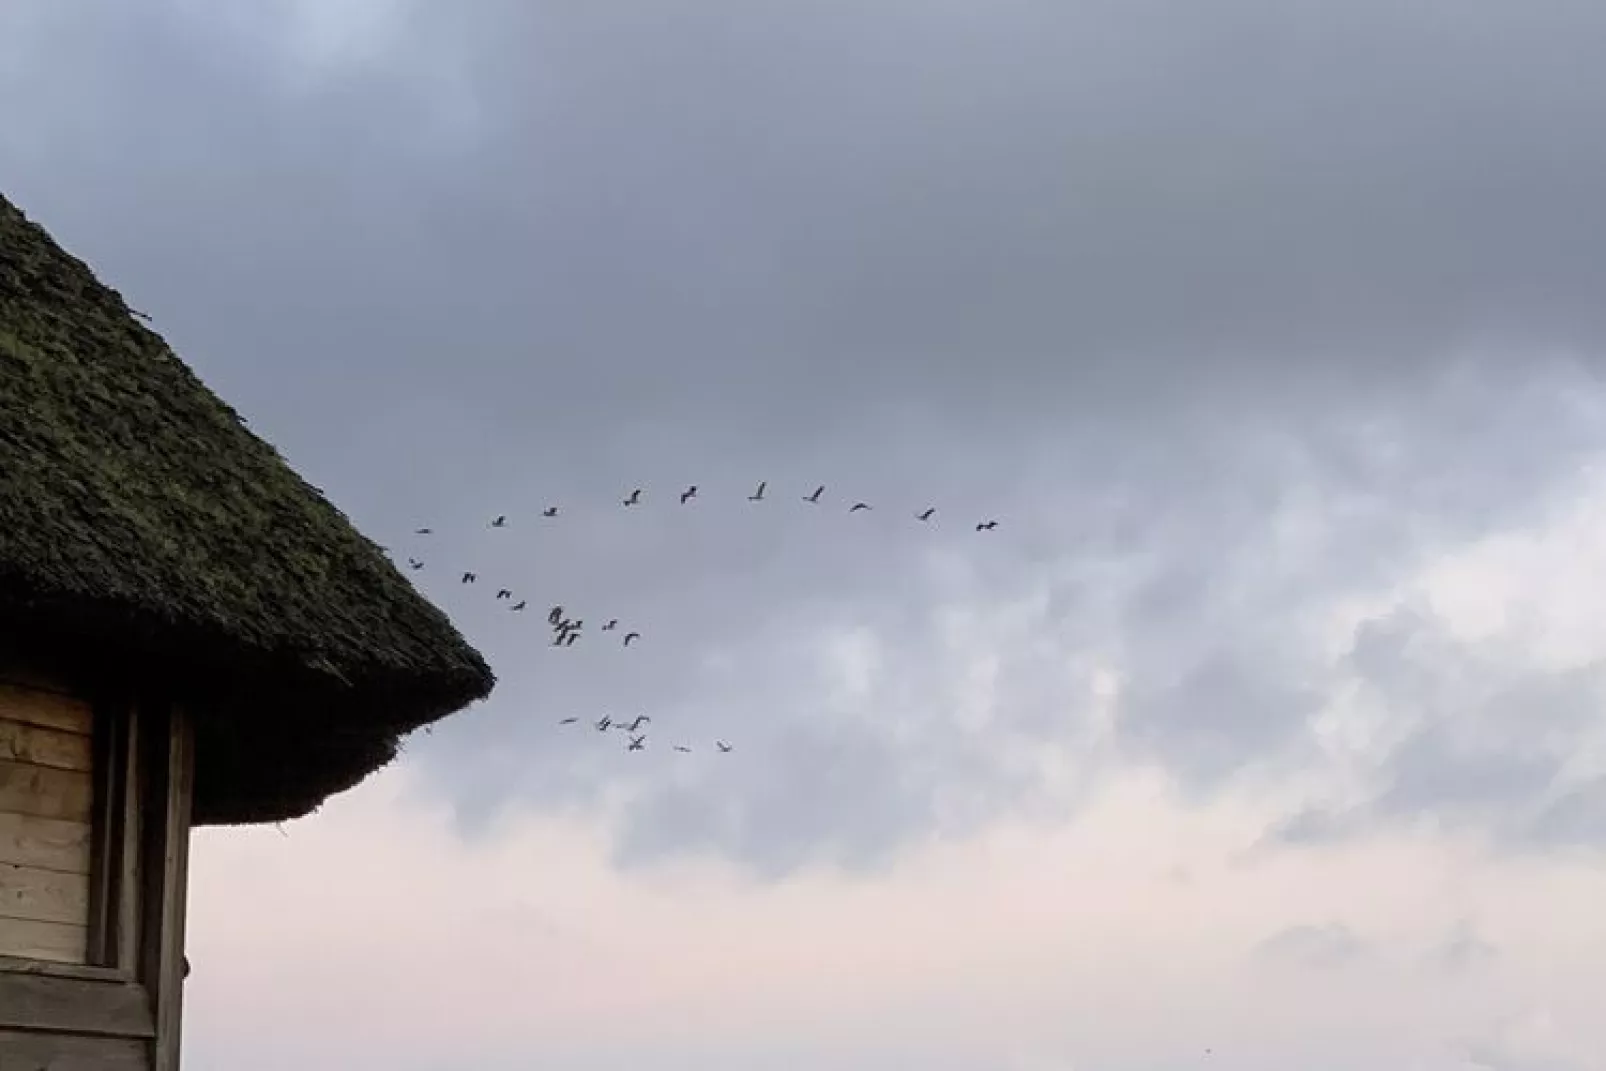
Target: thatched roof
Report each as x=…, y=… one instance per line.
x=143, y=526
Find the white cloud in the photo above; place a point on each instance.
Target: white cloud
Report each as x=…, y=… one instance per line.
x=373, y=921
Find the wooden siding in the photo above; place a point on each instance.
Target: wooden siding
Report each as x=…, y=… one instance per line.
x=28, y=1051
x=94, y=849
x=107, y=1007
x=47, y=798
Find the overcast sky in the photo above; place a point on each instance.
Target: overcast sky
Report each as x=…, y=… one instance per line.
x=1267, y=720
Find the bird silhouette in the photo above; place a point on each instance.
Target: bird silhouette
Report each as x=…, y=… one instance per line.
x=641, y=719
x=724, y=748
x=602, y=726
x=635, y=498
x=613, y=623
x=688, y=494
x=857, y=506
x=815, y=497
x=500, y=522
x=422, y=531
x=414, y=563
x=987, y=526
x=570, y=641
x=554, y=615
x=926, y=516
x=504, y=593
x=638, y=743
x=469, y=578
x=568, y=721
x=550, y=511
x=557, y=639
x=631, y=636
x=516, y=607
x=681, y=748
x=758, y=496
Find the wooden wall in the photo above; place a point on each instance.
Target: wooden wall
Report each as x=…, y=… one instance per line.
x=46, y=821
x=94, y=850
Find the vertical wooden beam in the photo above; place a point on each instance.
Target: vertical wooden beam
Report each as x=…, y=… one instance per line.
x=169, y=740
x=116, y=859
x=104, y=836
x=130, y=856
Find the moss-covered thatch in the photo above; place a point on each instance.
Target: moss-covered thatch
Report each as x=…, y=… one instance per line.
x=145, y=528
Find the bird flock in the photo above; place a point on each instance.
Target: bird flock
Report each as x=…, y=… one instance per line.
x=567, y=631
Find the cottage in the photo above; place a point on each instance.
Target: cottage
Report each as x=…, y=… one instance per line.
x=190, y=635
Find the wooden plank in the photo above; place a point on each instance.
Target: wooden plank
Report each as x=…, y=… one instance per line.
x=75, y=1005
x=46, y=793
x=103, y=864
x=43, y=895
x=25, y=1051
x=47, y=843
x=87, y=972
x=51, y=710
x=20, y=742
x=90, y=971
x=60, y=942
x=170, y=743
x=129, y=887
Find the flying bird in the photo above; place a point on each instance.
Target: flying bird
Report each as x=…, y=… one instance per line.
x=554, y=615
x=926, y=516
x=500, y=522
x=568, y=721
x=516, y=607
x=681, y=748
x=504, y=593
x=635, y=498
x=570, y=641
x=857, y=506
x=422, y=531
x=758, y=496
x=613, y=623
x=469, y=578
x=602, y=726
x=641, y=719
x=987, y=526
x=414, y=563
x=815, y=497
x=688, y=494
x=631, y=636
x=723, y=747
x=638, y=743
x=550, y=511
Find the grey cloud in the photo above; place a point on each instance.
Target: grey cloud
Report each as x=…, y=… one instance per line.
x=1326, y=946
x=1574, y=818
x=1310, y=827
x=1501, y=1056
x=1111, y=200
x=1462, y=950
x=1132, y=277
x=1222, y=714
x=1485, y=741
